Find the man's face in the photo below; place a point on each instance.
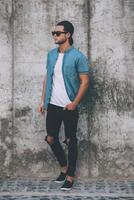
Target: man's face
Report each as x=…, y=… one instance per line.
x=62, y=38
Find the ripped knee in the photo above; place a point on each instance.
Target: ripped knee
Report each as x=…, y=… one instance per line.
x=49, y=139
x=67, y=141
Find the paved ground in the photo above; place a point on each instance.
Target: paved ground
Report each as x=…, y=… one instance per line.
x=42, y=189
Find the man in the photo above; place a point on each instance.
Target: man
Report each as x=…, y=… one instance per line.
x=64, y=87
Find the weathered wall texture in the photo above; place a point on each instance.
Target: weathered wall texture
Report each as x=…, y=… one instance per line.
x=5, y=87
x=105, y=131
x=112, y=107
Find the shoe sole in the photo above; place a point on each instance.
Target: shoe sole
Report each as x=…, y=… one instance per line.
x=59, y=181
x=66, y=189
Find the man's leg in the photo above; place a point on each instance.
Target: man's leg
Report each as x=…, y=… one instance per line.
x=53, y=123
x=70, y=124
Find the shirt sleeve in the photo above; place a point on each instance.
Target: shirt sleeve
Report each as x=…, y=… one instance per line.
x=83, y=65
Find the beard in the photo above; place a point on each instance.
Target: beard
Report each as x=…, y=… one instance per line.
x=60, y=42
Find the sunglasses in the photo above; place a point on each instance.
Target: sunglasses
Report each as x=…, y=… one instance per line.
x=57, y=33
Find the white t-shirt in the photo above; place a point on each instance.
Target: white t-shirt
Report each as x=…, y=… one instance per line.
x=59, y=95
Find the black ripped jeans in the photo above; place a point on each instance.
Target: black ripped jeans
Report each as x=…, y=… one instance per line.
x=54, y=118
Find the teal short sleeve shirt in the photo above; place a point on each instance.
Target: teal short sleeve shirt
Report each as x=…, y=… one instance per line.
x=74, y=64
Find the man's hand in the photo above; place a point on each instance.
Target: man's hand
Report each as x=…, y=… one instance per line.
x=41, y=108
x=70, y=106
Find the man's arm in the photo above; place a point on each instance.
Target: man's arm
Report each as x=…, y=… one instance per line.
x=84, y=78
x=41, y=104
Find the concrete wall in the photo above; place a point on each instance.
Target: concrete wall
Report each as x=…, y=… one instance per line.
x=104, y=32
x=112, y=107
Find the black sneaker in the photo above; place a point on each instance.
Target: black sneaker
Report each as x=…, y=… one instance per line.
x=61, y=178
x=67, y=185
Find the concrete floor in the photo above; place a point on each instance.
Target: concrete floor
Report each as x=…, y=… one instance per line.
x=47, y=189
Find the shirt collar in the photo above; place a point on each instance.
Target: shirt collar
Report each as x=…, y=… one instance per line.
x=71, y=47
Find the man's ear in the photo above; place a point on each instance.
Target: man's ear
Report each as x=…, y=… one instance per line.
x=68, y=35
